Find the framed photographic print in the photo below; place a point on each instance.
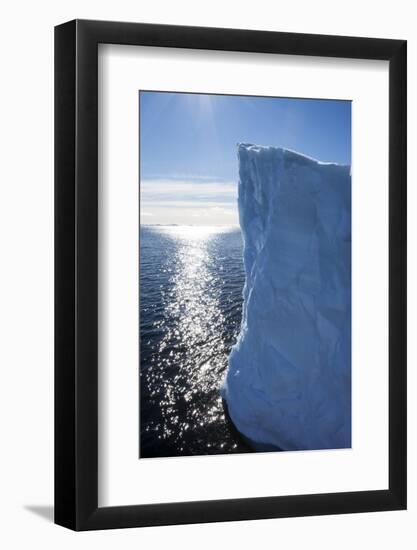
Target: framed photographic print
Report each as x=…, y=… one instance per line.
x=230, y=235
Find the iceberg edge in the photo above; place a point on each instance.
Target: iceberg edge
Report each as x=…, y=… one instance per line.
x=288, y=382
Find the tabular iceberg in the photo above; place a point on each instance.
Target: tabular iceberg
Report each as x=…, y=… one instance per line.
x=288, y=383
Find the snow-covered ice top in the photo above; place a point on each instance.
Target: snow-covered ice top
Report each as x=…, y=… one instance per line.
x=288, y=384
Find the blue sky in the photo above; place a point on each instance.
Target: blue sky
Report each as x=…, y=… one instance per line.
x=188, y=161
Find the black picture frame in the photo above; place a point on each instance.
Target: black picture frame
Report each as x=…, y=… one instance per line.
x=76, y=272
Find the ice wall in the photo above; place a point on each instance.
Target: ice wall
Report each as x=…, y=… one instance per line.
x=288, y=384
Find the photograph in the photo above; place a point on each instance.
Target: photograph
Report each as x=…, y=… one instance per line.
x=245, y=274
x=209, y=261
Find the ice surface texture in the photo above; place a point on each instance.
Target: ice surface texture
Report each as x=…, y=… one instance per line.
x=288, y=383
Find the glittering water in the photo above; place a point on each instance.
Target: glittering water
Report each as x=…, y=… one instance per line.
x=191, y=281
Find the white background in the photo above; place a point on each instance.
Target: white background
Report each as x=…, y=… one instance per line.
x=123, y=479
x=26, y=203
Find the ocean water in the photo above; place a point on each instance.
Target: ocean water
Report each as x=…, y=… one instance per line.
x=191, y=282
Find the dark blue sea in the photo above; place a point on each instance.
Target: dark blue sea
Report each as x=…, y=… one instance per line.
x=191, y=282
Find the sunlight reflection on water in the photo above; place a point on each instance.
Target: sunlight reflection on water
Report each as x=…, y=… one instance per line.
x=200, y=292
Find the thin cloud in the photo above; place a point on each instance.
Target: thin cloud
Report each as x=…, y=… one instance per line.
x=183, y=201
x=187, y=190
